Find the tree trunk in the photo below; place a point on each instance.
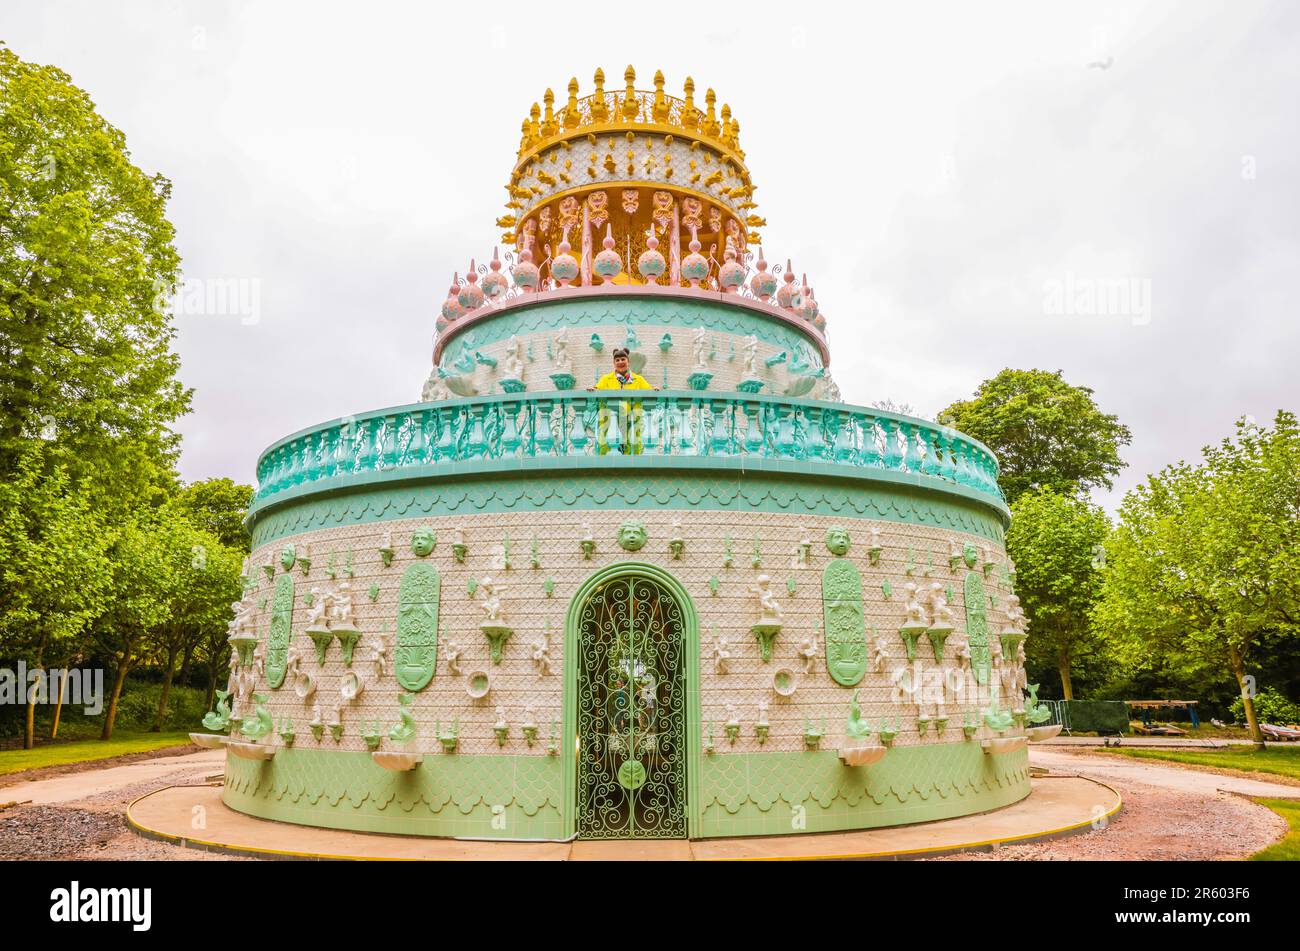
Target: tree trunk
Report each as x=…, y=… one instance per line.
x=1247, y=701
x=1063, y=667
x=58, y=707
x=212, y=690
x=166, y=692
x=29, y=723
x=123, y=666
x=185, y=663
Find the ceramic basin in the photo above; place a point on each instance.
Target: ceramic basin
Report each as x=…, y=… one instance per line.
x=1005, y=744
x=862, y=755
x=1039, y=733
x=209, y=741
x=251, y=750
x=397, y=760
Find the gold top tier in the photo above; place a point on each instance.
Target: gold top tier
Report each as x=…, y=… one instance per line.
x=630, y=158
x=633, y=109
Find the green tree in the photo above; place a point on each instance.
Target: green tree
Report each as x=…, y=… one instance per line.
x=54, y=570
x=1201, y=567
x=207, y=581
x=218, y=506
x=86, y=257
x=1045, y=432
x=1056, y=542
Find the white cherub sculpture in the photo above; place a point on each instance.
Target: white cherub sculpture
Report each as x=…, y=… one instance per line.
x=767, y=603
x=341, y=604
x=316, y=716
x=451, y=650
x=720, y=655
x=491, y=599
x=318, y=613
x=291, y=661
x=732, y=719
x=700, y=345
x=512, y=363
x=542, y=654
x=942, y=613
x=379, y=655
x=882, y=651
x=914, y=610
x=751, y=356
x=259, y=660
x=808, y=651
x=962, y=647
x=562, y=362
x=1015, y=613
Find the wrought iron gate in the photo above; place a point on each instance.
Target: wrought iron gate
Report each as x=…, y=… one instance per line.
x=631, y=713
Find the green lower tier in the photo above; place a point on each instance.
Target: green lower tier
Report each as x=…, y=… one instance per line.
x=522, y=797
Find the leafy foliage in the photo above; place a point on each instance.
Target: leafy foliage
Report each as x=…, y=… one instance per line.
x=1055, y=541
x=1045, y=432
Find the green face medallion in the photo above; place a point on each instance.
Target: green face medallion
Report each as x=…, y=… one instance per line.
x=632, y=536
x=837, y=540
x=288, y=556
x=423, y=541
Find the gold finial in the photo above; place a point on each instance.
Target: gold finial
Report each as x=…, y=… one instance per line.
x=549, y=126
x=599, y=111
x=525, y=139
x=630, y=106
x=710, y=118
x=725, y=131
x=571, y=117
x=661, y=101
x=690, y=115
x=534, y=127
x=735, y=137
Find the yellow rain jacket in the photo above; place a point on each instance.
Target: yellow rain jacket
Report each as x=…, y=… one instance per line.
x=629, y=413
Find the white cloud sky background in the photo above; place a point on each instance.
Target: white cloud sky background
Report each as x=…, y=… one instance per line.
x=930, y=166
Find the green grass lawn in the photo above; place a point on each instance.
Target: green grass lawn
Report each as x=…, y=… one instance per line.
x=1283, y=761
x=80, y=751
x=1288, y=850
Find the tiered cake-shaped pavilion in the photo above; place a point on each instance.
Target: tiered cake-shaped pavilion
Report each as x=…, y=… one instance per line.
x=733, y=605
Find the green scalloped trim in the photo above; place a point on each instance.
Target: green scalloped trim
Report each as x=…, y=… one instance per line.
x=624, y=489
x=443, y=796
x=911, y=784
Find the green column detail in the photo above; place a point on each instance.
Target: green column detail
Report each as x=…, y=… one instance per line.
x=277, y=648
x=416, y=655
x=977, y=628
x=846, y=633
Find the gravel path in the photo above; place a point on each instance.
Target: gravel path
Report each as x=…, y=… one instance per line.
x=1169, y=813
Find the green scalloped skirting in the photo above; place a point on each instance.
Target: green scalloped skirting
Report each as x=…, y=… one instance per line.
x=521, y=797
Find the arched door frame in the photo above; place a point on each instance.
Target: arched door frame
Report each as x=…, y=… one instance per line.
x=569, y=722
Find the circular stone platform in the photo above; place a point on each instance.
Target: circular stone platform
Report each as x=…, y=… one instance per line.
x=1057, y=806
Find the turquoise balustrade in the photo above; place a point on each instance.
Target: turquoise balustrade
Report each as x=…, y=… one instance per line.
x=655, y=423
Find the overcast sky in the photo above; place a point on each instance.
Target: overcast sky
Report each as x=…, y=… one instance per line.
x=954, y=178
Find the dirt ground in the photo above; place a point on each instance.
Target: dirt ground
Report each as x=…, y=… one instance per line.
x=1169, y=813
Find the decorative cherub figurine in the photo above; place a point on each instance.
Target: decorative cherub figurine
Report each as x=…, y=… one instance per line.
x=316, y=716
x=452, y=651
x=491, y=598
x=767, y=603
x=962, y=645
x=379, y=655
x=914, y=610
x=342, y=604
x=318, y=613
x=808, y=651
x=720, y=655
x=512, y=363
x=1015, y=613
x=732, y=719
x=943, y=616
x=501, y=719
x=291, y=661
x=882, y=651
x=561, y=359
x=259, y=660
x=751, y=356
x=700, y=345
x=542, y=654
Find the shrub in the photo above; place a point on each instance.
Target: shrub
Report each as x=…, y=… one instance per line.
x=1270, y=707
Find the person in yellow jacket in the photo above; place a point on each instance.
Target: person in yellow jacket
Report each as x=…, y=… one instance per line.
x=622, y=378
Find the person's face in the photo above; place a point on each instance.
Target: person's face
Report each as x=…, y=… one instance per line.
x=620, y=364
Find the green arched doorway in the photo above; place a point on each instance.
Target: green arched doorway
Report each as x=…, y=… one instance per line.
x=631, y=711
